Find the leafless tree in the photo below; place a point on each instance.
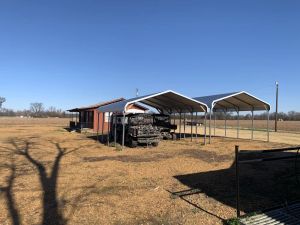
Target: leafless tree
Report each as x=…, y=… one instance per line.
x=36, y=109
x=2, y=100
x=52, y=109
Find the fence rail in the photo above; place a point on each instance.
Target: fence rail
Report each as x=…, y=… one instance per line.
x=239, y=161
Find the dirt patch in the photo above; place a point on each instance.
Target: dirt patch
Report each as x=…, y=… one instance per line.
x=206, y=155
x=130, y=158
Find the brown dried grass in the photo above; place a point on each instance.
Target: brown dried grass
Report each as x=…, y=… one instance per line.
x=98, y=185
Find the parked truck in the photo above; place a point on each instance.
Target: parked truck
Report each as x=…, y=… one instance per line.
x=163, y=123
x=139, y=129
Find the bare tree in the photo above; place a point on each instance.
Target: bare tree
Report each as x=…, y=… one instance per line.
x=37, y=109
x=2, y=100
x=52, y=111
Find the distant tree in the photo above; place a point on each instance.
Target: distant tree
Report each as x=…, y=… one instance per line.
x=2, y=100
x=54, y=112
x=37, y=109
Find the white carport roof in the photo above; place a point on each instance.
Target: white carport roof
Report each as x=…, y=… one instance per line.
x=166, y=102
x=235, y=101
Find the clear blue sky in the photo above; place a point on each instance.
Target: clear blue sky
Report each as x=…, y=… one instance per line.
x=73, y=53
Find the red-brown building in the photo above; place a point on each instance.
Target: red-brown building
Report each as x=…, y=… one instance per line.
x=89, y=116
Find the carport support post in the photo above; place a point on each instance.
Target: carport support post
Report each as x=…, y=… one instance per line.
x=209, y=125
x=252, y=130
x=174, y=122
x=102, y=139
x=108, y=129
x=238, y=124
x=268, y=115
x=196, y=125
x=184, y=122
x=98, y=126
x=214, y=123
x=191, y=126
x=123, y=130
x=87, y=119
x=115, y=130
x=226, y=123
x=180, y=125
x=205, y=128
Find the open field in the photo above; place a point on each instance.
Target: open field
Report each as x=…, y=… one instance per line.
x=283, y=126
x=290, y=126
x=52, y=176
x=276, y=137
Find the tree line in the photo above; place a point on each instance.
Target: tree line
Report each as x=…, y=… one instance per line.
x=36, y=109
x=289, y=116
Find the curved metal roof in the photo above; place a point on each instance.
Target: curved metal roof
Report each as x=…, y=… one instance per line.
x=166, y=102
x=235, y=101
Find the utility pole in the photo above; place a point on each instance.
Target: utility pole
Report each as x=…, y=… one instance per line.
x=276, y=113
x=136, y=92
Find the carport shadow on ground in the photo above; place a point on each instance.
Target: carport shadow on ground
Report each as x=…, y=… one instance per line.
x=262, y=185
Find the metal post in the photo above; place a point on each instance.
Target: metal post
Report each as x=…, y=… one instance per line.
x=214, y=123
x=191, y=126
x=205, y=128
x=79, y=120
x=174, y=122
x=102, y=135
x=238, y=124
x=98, y=126
x=123, y=131
x=184, y=122
x=276, y=113
x=226, y=123
x=180, y=125
x=268, y=114
x=115, y=132
x=252, y=130
x=86, y=119
x=210, y=126
x=196, y=125
x=237, y=179
x=108, y=129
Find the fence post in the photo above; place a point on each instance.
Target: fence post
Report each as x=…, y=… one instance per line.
x=237, y=181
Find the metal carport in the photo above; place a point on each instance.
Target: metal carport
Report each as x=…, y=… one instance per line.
x=235, y=101
x=165, y=102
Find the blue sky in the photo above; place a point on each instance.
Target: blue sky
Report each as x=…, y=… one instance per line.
x=73, y=53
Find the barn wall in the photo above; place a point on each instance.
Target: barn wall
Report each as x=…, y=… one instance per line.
x=97, y=125
x=100, y=122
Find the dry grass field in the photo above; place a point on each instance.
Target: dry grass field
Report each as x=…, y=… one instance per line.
x=51, y=176
x=283, y=126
